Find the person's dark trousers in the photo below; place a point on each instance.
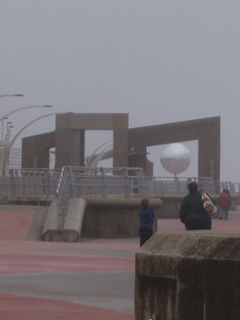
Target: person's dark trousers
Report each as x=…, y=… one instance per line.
x=198, y=224
x=223, y=212
x=145, y=234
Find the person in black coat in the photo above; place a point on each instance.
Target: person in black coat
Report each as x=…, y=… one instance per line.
x=192, y=212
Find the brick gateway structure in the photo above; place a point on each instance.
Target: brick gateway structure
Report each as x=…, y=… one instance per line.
x=129, y=144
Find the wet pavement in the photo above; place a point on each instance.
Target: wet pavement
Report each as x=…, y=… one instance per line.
x=89, y=279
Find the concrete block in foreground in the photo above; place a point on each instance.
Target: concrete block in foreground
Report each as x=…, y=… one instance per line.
x=189, y=276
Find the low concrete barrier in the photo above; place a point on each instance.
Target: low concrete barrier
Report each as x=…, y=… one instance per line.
x=114, y=217
x=72, y=224
x=95, y=217
x=169, y=208
x=189, y=275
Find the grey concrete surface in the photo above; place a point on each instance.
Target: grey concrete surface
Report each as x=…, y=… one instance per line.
x=111, y=290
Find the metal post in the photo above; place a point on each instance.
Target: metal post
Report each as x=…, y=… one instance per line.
x=104, y=183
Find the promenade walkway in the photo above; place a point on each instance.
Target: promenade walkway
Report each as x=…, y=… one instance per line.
x=89, y=279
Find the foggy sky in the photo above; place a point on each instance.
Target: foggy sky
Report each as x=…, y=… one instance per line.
x=159, y=61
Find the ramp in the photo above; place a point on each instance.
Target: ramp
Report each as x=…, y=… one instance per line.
x=72, y=224
x=21, y=222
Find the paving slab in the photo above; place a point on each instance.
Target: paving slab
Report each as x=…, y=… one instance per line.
x=89, y=279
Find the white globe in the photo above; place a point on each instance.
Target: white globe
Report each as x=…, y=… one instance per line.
x=175, y=158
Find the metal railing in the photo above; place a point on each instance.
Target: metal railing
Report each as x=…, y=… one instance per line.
x=232, y=187
x=103, y=182
x=108, y=181
x=27, y=182
x=63, y=194
x=173, y=185
x=84, y=180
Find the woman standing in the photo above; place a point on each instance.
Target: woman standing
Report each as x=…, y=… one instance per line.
x=192, y=212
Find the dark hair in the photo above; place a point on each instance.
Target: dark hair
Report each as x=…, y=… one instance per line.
x=193, y=187
x=144, y=202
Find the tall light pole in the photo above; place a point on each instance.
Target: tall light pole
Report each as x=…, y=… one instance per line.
x=17, y=135
x=5, y=117
x=19, y=109
x=3, y=129
x=8, y=95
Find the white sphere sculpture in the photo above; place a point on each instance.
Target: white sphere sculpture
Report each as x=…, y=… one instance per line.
x=175, y=158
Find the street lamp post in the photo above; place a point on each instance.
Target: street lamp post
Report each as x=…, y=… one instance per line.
x=17, y=135
x=3, y=129
x=7, y=141
x=5, y=117
x=19, y=109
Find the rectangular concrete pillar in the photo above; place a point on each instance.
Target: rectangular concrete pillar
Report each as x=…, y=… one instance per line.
x=70, y=147
x=35, y=150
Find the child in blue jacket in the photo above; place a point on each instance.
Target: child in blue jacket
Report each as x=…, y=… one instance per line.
x=147, y=216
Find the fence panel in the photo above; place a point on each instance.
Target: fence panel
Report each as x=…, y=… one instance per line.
x=102, y=182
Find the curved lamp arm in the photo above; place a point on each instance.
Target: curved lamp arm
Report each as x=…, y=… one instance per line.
x=28, y=107
x=17, y=135
x=11, y=95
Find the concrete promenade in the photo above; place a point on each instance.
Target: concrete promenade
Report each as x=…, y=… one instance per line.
x=89, y=279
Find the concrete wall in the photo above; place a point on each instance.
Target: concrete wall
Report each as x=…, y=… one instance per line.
x=114, y=218
x=70, y=136
x=206, y=131
x=129, y=145
x=35, y=150
x=92, y=217
x=169, y=208
x=189, y=276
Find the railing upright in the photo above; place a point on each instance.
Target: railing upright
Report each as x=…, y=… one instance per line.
x=12, y=183
x=126, y=180
x=104, y=183
x=142, y=183
x=63, y=195
x=71, y=183
x=46, y=181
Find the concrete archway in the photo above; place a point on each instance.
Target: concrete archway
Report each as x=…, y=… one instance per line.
x=129, y=145
x=206, y=131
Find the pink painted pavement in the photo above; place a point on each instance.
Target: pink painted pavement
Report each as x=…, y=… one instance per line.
x=14, y=225
x=21, y=262
x=89, y=279
x=23, y=308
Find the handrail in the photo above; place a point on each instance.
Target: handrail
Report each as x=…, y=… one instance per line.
x=63, y=195
x=101, y=182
